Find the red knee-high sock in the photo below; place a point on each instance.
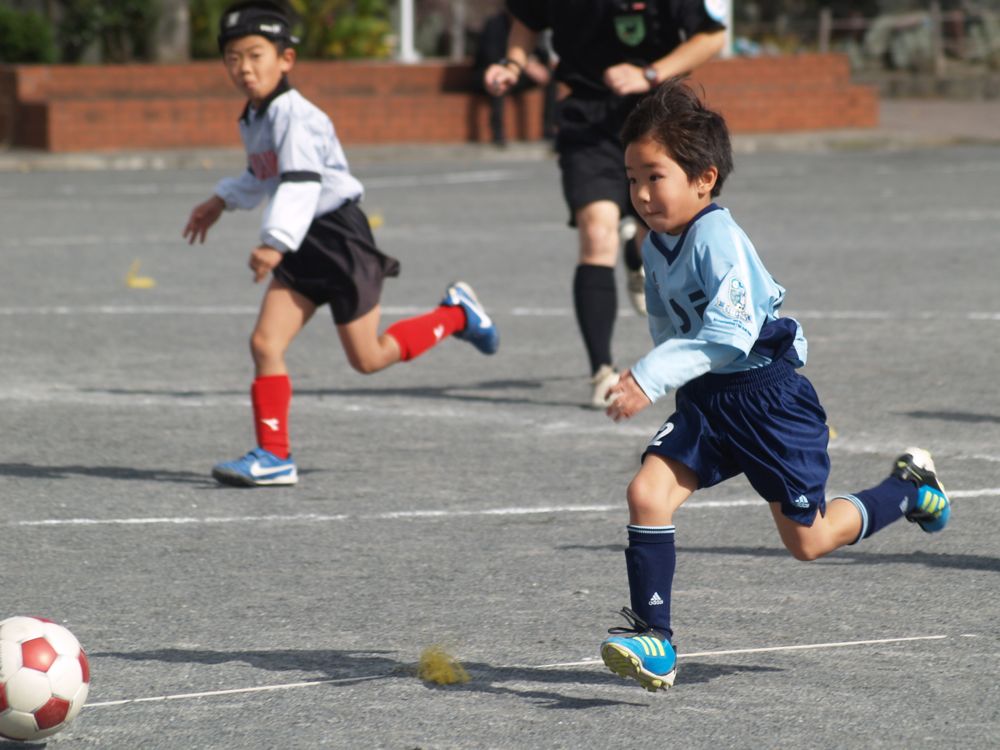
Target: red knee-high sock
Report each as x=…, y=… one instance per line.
x=417, y=335
x=271, y=396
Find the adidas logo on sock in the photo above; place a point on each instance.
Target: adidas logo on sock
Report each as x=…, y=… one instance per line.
x=655, y=599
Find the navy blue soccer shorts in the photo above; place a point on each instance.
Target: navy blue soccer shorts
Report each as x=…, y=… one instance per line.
x=766, y=423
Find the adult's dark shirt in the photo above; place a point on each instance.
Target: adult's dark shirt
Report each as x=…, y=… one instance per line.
x=589, y=36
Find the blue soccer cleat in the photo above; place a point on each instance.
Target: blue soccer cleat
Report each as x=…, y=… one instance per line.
x=641, y=653
x=933, y=509
x=258, y=468
x=479, y=330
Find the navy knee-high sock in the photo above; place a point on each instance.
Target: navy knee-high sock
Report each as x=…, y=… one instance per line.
x=883, y=504
x=651, y=560
x=596, y=302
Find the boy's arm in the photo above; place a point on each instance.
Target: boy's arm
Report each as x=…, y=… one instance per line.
x=293, y=207
x=245, y=191
x=678, y=361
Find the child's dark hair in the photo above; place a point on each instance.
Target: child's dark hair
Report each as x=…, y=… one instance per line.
x=695, y=136
x=265, y=18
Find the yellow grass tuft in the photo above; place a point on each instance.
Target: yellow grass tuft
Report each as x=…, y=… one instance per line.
x=441, y=668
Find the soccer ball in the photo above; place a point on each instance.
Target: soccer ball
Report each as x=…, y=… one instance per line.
x=44, y=678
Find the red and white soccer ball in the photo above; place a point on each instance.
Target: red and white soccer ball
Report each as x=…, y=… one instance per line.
x=44, y=678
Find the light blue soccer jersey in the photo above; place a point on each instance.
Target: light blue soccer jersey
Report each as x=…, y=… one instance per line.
x=708, y=295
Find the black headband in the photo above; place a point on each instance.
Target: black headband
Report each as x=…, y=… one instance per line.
x=270, y=23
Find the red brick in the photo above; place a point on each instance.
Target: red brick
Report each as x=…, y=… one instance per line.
x=75, y=108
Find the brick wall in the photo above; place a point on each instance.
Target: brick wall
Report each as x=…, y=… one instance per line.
x=79, y=108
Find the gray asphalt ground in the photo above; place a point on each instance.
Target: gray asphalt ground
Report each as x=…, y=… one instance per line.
x=471, y=502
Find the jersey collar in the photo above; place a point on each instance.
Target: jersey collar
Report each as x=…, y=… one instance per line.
x=282, y=87
x=671, y=254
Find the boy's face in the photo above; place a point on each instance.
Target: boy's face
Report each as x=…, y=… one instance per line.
x=664, y=196
x=255, y=66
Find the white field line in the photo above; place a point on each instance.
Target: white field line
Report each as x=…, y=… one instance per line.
x=762, y=650
x=522, y=312
x=234, y=691
x=587, y=663
x=408, y=515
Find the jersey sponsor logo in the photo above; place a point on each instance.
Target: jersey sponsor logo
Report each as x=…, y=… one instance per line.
x=735, y=306
x=631, y=29
x=264, y=165
x=716, y=10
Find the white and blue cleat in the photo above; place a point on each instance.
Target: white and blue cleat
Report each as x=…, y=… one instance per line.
x=479, y=330
x=641, y=653
x=258, y=468
x=933, y=508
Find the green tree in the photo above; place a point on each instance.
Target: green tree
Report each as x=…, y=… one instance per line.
x=124, y=28
x=25, y=38
x=343, y=28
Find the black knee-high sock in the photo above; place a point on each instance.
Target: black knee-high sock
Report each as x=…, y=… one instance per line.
x=633, y=258
x=596, y=303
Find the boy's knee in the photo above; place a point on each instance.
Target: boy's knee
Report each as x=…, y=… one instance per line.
x=642, y=500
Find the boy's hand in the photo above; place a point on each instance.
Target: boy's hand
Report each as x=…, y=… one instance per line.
x=202, y=217
x=263, y=259
x=628, y=399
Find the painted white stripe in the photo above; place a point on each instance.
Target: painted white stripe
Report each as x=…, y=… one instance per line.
x=385, y=516
x=235, y=691
x=523, y=312
x=762, y=650
x=587, y=663
x=405, y=515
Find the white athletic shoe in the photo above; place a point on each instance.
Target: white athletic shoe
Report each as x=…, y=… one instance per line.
x=602, y=380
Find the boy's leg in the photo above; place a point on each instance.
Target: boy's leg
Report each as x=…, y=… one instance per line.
x=283, y=313
x=841, y=525
x=644, y=651
x=459, y=314
x=912, y=491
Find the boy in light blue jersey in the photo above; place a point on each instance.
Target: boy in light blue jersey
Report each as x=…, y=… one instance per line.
x=742, y=407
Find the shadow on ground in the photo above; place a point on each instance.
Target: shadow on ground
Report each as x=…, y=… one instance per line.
x=518, y=681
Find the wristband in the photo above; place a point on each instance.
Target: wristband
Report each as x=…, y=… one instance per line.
x=506, y=61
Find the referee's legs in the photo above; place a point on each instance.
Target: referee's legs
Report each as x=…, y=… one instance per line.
x=594, y=295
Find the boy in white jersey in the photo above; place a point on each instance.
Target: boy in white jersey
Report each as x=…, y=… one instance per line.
x=741, y=405
x=314, y=238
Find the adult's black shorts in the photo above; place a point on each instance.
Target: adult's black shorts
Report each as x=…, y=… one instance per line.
x=591, y=157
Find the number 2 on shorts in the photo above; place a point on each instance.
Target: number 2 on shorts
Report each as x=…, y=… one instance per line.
x=667, y=428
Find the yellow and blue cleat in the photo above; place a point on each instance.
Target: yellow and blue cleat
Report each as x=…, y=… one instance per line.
x=641, y=653
x=932, y=508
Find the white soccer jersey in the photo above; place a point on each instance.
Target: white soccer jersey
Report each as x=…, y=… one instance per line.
x=708, y=296
x=294, y=159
